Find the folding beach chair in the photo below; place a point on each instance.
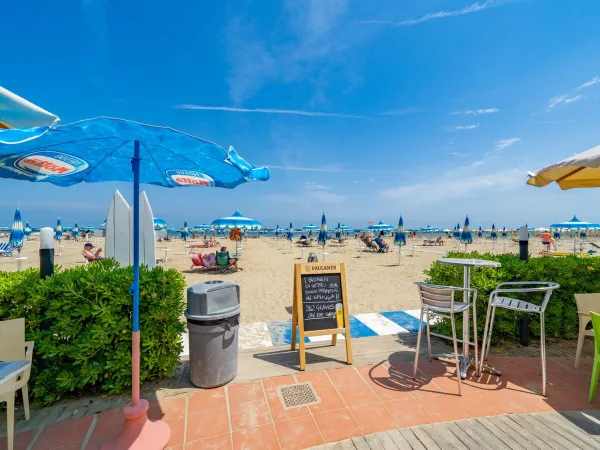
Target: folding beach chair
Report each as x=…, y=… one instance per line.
x=5, y=249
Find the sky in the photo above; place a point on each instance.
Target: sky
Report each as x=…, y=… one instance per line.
x=433, y=109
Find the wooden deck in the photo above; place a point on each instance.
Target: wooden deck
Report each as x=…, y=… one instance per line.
x=538, y=431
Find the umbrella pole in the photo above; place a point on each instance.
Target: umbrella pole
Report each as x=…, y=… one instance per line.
x=137, y=431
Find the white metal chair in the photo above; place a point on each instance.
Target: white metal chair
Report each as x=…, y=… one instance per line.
x=499, y=301
x=438, y=301
x=585, y=304
x=19, y=353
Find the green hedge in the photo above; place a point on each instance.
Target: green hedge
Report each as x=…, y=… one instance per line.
x=574, y=274
x=80, y=320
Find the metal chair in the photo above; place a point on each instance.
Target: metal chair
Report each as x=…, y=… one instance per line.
x=498, y=301
x=438, y=301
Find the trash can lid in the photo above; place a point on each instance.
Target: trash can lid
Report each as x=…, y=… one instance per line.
x=220, y=314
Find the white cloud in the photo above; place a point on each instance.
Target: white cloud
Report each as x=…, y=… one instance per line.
x=562, y=100
x=327, y=197
x=267, y=111
x=305, y=169
x=304, y=44
x=457, y=154
x=466, y=127
x=505, y=143
x=589, y=83
x=401, y=112
x=475, y=112
x=474, y=7
x=448, y=187
x=313, y=186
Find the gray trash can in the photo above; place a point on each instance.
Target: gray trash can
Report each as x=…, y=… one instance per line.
x=213, y=320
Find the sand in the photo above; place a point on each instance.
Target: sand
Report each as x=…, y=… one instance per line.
x=375, y=282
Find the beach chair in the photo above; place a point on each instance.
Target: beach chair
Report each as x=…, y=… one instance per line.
x=5, y=249
x=16, y=355
x=585, y=304
x=197, y=261
x=223, y=265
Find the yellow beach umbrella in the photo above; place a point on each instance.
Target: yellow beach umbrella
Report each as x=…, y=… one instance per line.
x=578, y=171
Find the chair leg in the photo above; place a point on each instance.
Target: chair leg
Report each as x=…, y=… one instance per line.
x=25, y=392
x=485, y=335
x=10, y=419
x=580, y=339
x=428, y=338
x=477, y=371
x=543, y=352
x=456, y=353
x=594, y=382
x=489, y=340
x=418, y=346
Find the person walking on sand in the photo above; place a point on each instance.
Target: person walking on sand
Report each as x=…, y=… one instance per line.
x=547, y=240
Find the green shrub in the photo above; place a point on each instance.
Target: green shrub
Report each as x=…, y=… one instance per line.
x=80, y=320
x=574, y=274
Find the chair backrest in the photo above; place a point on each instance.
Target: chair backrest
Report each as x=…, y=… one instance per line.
x=12, y=340
x=587, y=303
x=596, y=325
x=222, y=258
x=196, y=259
x=434, y=295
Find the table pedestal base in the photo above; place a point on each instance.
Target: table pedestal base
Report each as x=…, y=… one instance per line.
x=464, y=363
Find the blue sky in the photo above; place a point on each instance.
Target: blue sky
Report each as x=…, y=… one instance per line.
x=430, y=108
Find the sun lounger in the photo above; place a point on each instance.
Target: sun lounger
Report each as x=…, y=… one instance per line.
x=428, y=242
x=5, y=249
x=197, y=261
x=594, y=245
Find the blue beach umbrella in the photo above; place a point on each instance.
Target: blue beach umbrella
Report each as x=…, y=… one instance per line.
x=400, y=237
x=310, y=227
x=237, y=220
x=556, y=234
x=159, y=224
x=338, y=231
x=493, y=233
x=381, y=227
x=184, y=231
x=456, y=232
x=277, y=231
x=27, y=230
x=103, y=224
x=322, y=238
x=75, y=231
x=16, y=232
x=204, y=226
x=290, y=234
x=108, y=149
x=504, y=233
x=58, y=230
x=480, y=232
x=430, y=229
x=466, y=236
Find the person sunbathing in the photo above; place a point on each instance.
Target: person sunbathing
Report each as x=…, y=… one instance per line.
x=371, y=244
x=439, y=241
x=89, y=254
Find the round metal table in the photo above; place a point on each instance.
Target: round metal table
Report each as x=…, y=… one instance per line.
x=467, y=264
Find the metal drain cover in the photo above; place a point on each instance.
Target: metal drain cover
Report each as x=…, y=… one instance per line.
x=295, y=395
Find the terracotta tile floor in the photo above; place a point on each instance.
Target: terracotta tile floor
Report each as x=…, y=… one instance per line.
x=354, y=401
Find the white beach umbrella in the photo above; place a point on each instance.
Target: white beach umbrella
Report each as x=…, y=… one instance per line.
x=16, y=112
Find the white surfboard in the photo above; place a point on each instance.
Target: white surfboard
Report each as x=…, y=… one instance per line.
x=147, y=239
x=118, y=230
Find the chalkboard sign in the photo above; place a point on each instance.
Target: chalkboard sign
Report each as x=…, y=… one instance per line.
x=320, y=305
x=320, y=295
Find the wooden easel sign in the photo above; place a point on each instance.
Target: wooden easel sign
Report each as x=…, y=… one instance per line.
x=320, y=305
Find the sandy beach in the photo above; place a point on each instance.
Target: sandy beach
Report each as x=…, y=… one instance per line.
x=375, y=282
